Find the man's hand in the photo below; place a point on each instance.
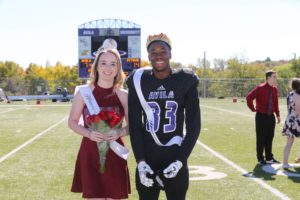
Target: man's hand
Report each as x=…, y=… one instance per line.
x=172, y=170
x=144, y=169
x=278, y=120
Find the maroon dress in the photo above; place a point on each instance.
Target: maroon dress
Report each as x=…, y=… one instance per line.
x=114, y=182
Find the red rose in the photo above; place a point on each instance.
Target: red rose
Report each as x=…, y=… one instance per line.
x=102, y=122
x=115, y=119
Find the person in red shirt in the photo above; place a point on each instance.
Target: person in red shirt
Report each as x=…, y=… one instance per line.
x=266, y=97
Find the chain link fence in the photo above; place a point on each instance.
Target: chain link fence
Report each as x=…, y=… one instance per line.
x=221, y=88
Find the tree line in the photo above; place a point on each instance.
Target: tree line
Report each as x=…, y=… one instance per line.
x=232, y=77
x=239, y=76
x=37, y=79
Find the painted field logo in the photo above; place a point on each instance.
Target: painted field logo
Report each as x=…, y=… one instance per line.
x=278, y=170
x=209, y=173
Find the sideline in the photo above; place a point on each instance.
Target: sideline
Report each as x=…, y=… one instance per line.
x=31, y=140
x=243, y=171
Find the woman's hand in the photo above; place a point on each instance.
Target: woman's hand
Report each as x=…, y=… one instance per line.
x=96, y=136
x=114, y=134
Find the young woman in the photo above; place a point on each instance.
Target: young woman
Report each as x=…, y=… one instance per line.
x=291, y=127
x=107, y=79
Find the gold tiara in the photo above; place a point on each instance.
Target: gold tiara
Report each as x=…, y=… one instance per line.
x=160, y=37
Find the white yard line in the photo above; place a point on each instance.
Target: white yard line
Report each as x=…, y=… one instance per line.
x=19, y=107
x=31, y=140
x=41, y=105
x=10, y=110
x=229, y=111
x=233, y=112
x=243, y=171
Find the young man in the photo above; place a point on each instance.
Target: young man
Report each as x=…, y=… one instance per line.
x=266, y=96
x=160, y=101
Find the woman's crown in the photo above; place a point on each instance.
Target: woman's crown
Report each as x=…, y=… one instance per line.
x=159, y=37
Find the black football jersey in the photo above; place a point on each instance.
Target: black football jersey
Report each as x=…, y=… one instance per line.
x=173, y=100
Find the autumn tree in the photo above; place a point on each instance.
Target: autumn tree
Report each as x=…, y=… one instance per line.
x=11, y=77
x=296, y=66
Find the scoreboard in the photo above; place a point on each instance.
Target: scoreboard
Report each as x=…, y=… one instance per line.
x=90, y=39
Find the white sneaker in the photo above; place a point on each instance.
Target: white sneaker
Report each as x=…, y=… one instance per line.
x=286, y=166
x=272, y=161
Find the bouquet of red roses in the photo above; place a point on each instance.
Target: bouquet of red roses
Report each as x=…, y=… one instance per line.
x=103, y=122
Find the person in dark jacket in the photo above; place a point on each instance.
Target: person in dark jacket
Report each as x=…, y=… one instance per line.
x=160, y=101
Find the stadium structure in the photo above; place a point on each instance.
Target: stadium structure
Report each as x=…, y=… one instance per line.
x=92, y=34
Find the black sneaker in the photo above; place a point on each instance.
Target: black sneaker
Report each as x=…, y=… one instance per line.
x=272, y=161
x=262, y=162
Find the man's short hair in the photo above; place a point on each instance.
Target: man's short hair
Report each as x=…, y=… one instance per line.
x=269, y=73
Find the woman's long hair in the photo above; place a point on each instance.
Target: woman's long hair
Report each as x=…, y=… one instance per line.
x=295, y=85
x=119, y=78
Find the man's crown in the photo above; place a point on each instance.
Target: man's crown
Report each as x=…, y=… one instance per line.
x=160, y=37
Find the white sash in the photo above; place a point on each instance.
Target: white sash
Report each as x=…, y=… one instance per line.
x=89, y=99
x=149, y=112
x=94, y=109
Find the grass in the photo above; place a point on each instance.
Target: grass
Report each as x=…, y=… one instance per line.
x=44, y=168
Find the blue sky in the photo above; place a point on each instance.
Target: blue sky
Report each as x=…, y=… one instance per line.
x=37, y=31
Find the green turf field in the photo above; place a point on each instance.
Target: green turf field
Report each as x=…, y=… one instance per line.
x=223, y=164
